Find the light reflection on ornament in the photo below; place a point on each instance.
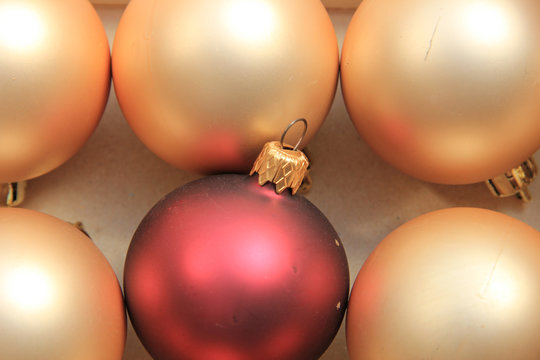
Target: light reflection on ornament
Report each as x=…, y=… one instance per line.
x=29, y=288
x=250, y=20
x=488, y=23
x=20, y=27
x=500, y=290
x=262, y=261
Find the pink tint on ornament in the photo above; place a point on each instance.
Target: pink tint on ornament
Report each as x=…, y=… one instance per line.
x=229, y=250
x=221, y=352
x=198, y=268
x=373, y=295
x=221, y=147
x=253, y=186
x=398, y=129
x=260, y=260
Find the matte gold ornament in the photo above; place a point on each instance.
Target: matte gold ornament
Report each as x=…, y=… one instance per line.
x=205, y=84
x=59, y=297
x=454, y=284
x=446, y=91
x=54, y=83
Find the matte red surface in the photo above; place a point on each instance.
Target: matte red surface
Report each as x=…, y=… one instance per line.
x=224, y=269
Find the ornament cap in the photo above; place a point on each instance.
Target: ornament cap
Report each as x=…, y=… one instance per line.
x=282, y=164
x=283, y=167
x=515, y=181
x=12, y=194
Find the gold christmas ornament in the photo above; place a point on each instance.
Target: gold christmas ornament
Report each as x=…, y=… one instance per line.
x=59, y=297
x=54, y=83
x=446, y=91
x=205, y=84
x=454, y=284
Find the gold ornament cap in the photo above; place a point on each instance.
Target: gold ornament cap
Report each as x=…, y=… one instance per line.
x=12, y=194
x=283, y=165
x=515, y=181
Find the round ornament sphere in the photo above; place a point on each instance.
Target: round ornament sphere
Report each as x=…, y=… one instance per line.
x=205, y=84
x=454, y=284
x=223, y=268
x=445, y=91
x=59, y=297
x=54, y=83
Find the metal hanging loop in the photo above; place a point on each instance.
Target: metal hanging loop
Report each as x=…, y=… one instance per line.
x=302, y=120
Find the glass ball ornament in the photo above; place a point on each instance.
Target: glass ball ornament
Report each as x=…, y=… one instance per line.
x=223, y=268
x=205, y=84
x=453, y=284
x=445, y=91
x=59, y=297
x=54, y=83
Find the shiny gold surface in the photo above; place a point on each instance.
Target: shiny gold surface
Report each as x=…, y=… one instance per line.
x=446, y=91
x=59, y=298
x=282, y=167
x=54, y=83
x=206, y=84
x=12, y=194
x=454, y=284
x=515, y=182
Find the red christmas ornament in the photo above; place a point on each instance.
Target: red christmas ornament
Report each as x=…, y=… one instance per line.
x=223, y=268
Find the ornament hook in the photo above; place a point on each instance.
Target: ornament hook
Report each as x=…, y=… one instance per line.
x=302, y=120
